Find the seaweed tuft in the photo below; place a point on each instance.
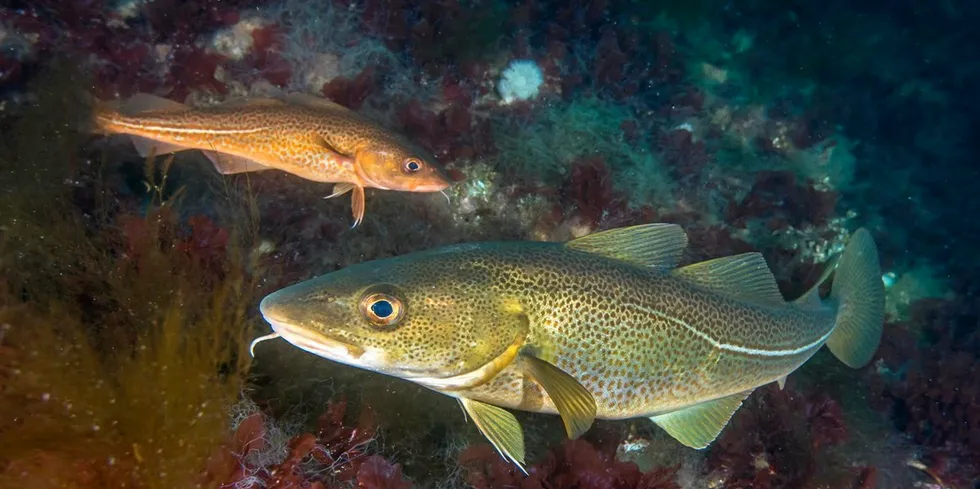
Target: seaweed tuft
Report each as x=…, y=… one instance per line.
x=120, y=354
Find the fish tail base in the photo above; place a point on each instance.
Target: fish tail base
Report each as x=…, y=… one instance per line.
x=860, y=297
x=102, y=114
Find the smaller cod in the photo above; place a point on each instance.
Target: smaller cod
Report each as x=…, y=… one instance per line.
x=604, y=326
x=307, y=136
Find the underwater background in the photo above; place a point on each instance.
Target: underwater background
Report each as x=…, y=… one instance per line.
x=129, y=285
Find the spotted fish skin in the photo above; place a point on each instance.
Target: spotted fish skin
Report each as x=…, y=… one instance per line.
x=640, y=340
x=306, y=136
x=275, y=135
x=605, y=326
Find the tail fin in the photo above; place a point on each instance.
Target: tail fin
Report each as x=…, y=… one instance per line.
x=860, y=296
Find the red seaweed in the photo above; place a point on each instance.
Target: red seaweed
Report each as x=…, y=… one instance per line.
x=334, y=454
x=351, y=93
x=575, y=464
x=265, y=55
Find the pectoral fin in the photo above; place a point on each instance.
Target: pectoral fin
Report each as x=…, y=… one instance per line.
x=500, y=427
x=227, y=164
x=697, y=426
x=574, y=402
x=325, y=145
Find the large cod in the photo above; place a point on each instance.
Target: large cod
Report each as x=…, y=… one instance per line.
x=605, y=326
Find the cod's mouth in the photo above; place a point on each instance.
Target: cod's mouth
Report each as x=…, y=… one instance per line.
x=315, y=342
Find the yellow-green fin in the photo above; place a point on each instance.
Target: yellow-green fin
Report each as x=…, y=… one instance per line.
x=698, y=426
x=500, y=427
x=227, y=164
x=744, y=276
x=574, y=402
x=860, y=297
x=781, y=382
x=656, y=245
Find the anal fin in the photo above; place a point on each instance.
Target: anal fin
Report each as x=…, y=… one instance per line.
x=500, y=427
x=146, y=146
x=227, y=164
x=574, y=402
x=697, y=426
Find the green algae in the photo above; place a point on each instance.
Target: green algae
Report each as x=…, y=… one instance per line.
x=120, y=353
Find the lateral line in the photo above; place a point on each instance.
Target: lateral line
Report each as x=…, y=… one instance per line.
x=736, y=348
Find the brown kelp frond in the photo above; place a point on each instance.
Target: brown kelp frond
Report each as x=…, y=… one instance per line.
x=123, y=336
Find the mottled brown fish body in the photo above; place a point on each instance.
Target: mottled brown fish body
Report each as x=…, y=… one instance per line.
x=277, y=136
x=307, y=136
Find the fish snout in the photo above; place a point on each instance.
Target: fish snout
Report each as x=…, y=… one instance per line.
x=273, y=312
x=291, y=320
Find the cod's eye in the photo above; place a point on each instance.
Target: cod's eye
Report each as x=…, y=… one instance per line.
x=382, y=310
x=413, y=165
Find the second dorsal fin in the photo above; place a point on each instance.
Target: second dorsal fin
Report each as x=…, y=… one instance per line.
x=657, y=245
x=250, y=102
x=744, y=276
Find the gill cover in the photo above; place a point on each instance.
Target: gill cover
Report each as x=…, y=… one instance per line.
x=393, y=164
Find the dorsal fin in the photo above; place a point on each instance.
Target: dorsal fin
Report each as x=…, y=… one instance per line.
x=658, y=245
x=147, y=102
x=314, y=102
x=250, y=102
x=744, y=276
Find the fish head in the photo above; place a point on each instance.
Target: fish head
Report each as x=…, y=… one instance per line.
x=424, y=315
x=393, y=164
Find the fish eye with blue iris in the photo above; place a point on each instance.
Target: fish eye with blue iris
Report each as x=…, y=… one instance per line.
x=382, y=310
x=489, y=245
